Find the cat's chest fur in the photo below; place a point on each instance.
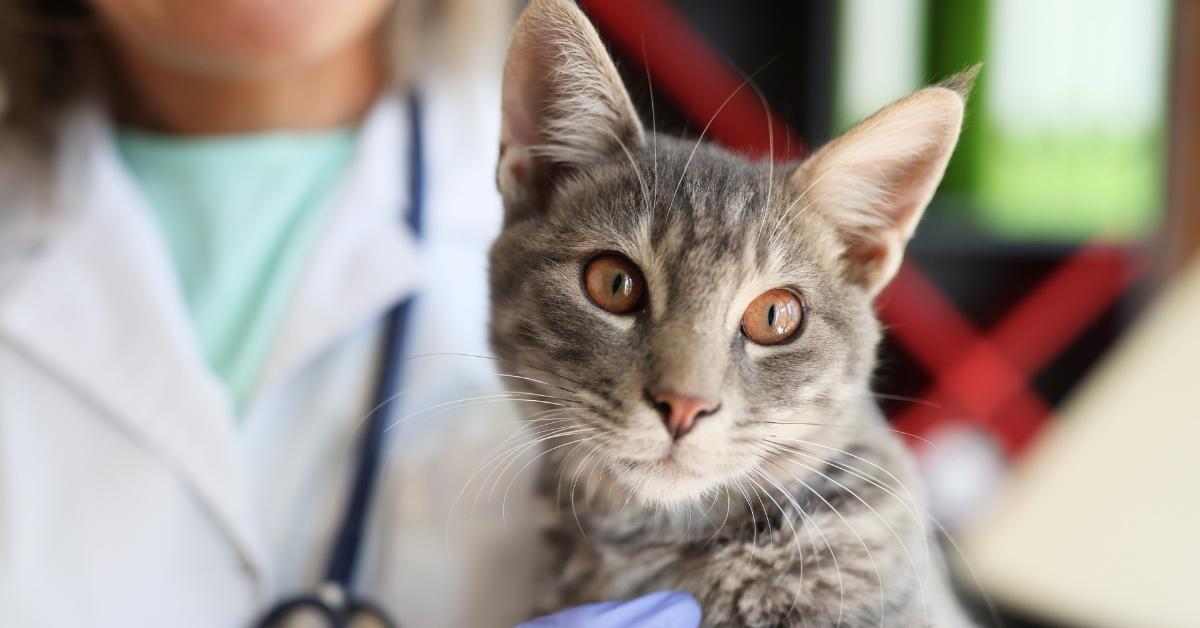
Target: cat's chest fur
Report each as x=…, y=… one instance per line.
x=839, y=544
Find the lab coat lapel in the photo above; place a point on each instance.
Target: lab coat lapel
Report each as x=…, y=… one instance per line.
x=366, y=258
x=100, y=308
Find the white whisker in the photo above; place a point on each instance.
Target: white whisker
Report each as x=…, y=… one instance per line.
x=795, y=538
x=704, y=132
x=918, y=519
x=832, y=554
x=478, y=400
x=507, y=489
x=653, y=119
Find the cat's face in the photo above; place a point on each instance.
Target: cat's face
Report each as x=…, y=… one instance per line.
x=693, y=311
x=649, y=300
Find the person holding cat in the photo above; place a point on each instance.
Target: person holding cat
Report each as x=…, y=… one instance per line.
x=207, y=211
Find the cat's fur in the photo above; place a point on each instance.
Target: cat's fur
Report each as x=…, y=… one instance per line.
x=790, y=505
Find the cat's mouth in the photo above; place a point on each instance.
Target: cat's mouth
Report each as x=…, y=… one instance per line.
x=658, y=469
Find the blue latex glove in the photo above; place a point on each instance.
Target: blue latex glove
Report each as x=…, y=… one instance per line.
x=665, y=609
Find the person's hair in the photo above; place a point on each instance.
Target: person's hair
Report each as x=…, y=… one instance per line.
x=52, y=52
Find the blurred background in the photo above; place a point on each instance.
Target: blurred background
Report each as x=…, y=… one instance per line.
x=1039, y=335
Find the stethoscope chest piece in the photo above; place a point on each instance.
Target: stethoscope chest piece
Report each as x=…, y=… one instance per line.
x=330, y=606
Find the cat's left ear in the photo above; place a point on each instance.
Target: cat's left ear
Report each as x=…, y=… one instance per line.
x=564, y=105
x=874, y=181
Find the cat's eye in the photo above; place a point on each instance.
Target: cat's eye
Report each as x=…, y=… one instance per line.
x=773, y=317
x=614, y=283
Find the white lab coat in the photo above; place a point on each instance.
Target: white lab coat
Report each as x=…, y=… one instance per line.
x=131, y=496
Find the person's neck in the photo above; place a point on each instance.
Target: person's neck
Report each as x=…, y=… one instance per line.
x=331, y=92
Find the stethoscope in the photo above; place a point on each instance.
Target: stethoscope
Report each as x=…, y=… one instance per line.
x=334, y=601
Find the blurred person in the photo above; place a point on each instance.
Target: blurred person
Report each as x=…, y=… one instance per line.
x=211, y=215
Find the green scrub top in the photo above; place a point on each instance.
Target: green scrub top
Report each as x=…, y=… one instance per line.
x=240, y=215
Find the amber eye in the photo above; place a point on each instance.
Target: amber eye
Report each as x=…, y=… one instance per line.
x=614, y=283
x=773, y=317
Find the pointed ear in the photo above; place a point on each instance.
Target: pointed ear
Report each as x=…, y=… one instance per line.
x=564, y=105
x=875, y=180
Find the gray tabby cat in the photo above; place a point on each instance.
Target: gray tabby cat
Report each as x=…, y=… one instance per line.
x=706, y=324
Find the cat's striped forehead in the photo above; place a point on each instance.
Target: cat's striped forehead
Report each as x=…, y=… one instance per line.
x=698, y=218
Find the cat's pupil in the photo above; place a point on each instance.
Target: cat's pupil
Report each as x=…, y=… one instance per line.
x=618, y=282
x=771, y=315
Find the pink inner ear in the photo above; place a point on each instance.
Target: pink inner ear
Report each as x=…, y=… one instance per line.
x=874, y=181
x=873, y=251
x=866, y=260
x=524, y=96
x=911, y=190
x=519, y=170
x=525, y=107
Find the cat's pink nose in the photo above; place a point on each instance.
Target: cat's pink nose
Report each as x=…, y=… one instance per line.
x=681, y=412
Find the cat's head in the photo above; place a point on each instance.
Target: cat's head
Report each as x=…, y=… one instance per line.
x=695, y=311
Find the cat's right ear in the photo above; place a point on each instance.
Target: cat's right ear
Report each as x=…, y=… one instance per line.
x=564, y=105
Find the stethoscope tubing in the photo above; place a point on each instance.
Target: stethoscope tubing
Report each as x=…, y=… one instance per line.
x=334, y=599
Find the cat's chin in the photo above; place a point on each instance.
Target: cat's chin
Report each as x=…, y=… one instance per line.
x=666, y=483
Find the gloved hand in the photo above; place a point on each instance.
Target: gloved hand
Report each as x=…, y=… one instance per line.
x=665, y=609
